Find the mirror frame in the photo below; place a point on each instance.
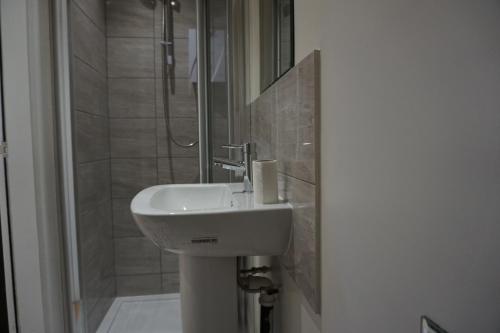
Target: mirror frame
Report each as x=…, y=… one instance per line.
x=271, y=72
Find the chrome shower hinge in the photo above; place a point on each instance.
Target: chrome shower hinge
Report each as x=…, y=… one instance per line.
x=3, y=149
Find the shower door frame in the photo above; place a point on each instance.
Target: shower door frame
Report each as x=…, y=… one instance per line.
x=67, y=169
x=236, y=57
x=204, y=141
x=236, y=81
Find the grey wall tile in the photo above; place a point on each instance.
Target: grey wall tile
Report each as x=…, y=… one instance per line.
x=284, y=124
x=94, y=9
x=169, y=262
x=89, y=89
x=123, y=222
x=295, y=145
x=178, y=170
x=129, y=18
x=185, y=130
x=309, y=101
x=184, y=19
x=170, y=283
x=130, y=176
x=93, y=229
x=220, y=137
x=219, y=100
x=286, y=90
x=182, y=101
x=181, y=58
x=295, y=128
x=302, y=259
x=132, y=285
x=133, y=138
x=89, y=113
x=264, y=124
x=296, y=121
x=131, y=98
x=130, y=58
x=96, y=253
x=93, y=184
x=88, y=42
x=95, y=315
x=92, y=142
x=222, y=176
x=308, y=84
x=245, y=124
x=136, y=256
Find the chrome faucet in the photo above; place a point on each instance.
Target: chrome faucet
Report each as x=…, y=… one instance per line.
x=243, y=166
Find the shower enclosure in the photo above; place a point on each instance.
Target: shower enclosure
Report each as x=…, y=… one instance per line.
x=149, y=104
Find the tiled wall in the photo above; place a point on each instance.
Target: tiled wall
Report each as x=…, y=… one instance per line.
x=140, y=155
x=284, y=125
x=92, y=159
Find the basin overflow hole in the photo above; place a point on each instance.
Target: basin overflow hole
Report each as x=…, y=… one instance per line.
x=204, y=240
x=429, y=326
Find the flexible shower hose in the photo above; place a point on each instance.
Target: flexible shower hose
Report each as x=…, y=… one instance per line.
x=165, y=84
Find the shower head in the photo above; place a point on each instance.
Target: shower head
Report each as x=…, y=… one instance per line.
x=151, y=4
x=174, y=4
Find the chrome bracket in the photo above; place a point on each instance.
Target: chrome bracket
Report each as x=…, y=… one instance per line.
x=3, y=149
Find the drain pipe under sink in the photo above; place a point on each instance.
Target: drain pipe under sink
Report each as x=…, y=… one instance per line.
x=251, y=283
x=267, y=300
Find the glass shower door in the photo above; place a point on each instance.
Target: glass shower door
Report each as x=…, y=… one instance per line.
x=218, y=90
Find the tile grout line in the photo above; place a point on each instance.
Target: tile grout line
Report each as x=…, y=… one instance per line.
x=89, y=65
x=75, y=3
x=90, y=113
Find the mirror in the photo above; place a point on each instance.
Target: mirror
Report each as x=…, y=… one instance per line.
x=269, y=43
x=276, y=40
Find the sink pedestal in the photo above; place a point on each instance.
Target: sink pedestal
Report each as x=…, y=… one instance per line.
x=208, y=294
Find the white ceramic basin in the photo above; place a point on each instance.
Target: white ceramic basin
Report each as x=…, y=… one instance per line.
x=211, y=220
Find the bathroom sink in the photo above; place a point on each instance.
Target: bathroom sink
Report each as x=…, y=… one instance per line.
x=211, y=220
x=209, y=225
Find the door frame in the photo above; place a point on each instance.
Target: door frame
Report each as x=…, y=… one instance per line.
x=8, y=282
x=32, y=166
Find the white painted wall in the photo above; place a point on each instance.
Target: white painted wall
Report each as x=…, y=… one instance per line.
x=410, y=165
x=296, y=314
x=307, y=27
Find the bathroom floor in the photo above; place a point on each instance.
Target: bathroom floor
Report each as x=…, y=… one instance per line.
x=145, y=314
